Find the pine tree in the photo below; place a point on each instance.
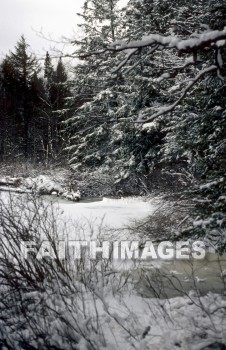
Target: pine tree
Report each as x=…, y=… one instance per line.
x=107, y=105
x=57, y=92
x=197, y=134
x=49, y=101
x=60, y=95
x=111, y=100
x=93, y=96
x=19, y=68
x=48, y=68
x=59, y=86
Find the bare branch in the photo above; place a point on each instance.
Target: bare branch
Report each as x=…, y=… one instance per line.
x=174, y=71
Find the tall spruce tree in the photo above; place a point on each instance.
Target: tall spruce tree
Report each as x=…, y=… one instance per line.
x=60, y=95
x=93, y=83
x=19, y=69
x=57, y=91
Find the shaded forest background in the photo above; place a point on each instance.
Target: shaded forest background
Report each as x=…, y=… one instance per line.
x=32, y=101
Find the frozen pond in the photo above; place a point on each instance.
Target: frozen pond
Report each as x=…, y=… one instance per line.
x=93, y=215
x=108, y=213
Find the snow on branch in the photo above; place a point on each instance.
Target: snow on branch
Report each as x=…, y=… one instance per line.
x=170, y=108
x=174, y=71
x=200, y=41
x=211, y=39
x=130, y=53
x=135, y=64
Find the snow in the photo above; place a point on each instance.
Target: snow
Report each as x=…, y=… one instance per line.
x=91, y=216
x=42, y=184
x=211, y=184
x=221, y=43
x=162, y=77
x=169, y=324
x=188, y=323
x=106, y=213
x=174, y=42
x=13, y=189
x=151, y=125
x=219, y=59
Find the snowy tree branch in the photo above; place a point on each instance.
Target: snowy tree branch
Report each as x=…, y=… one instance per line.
x=201, y=41
x=170, y=108
x=214, y=40
x=131, y=53
x=192, y=44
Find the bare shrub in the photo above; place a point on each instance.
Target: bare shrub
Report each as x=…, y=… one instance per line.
x=48, y=303
x=167, y=221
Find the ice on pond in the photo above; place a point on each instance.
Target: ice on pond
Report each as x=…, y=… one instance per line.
x=111, y=213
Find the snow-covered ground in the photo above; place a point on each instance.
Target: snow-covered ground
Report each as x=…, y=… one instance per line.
x=106, y=214
x=89, y=219
x=189, y=323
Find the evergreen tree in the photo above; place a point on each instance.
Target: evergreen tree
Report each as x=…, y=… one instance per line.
x=93, y=86
x=101, y=125
x=18, y=70
x=150, y=81
x=57, y=91
x=49, y=99
x=60, y=94
x=117, y=101
x=48, y=68
x=60, y=86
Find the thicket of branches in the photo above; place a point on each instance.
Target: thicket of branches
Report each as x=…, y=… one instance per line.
x=55, y=303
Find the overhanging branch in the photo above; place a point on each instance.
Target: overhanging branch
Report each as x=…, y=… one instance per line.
x=168, y=109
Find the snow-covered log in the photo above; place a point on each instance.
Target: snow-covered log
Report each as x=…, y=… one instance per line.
x=8, y=181
x=42, y=185
x=13, y=189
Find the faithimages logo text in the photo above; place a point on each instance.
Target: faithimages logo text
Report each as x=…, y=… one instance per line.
x=116, y=250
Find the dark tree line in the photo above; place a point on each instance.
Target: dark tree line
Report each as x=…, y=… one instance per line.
x=31, y=100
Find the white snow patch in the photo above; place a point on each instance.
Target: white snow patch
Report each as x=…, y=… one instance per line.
x=108, y=213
